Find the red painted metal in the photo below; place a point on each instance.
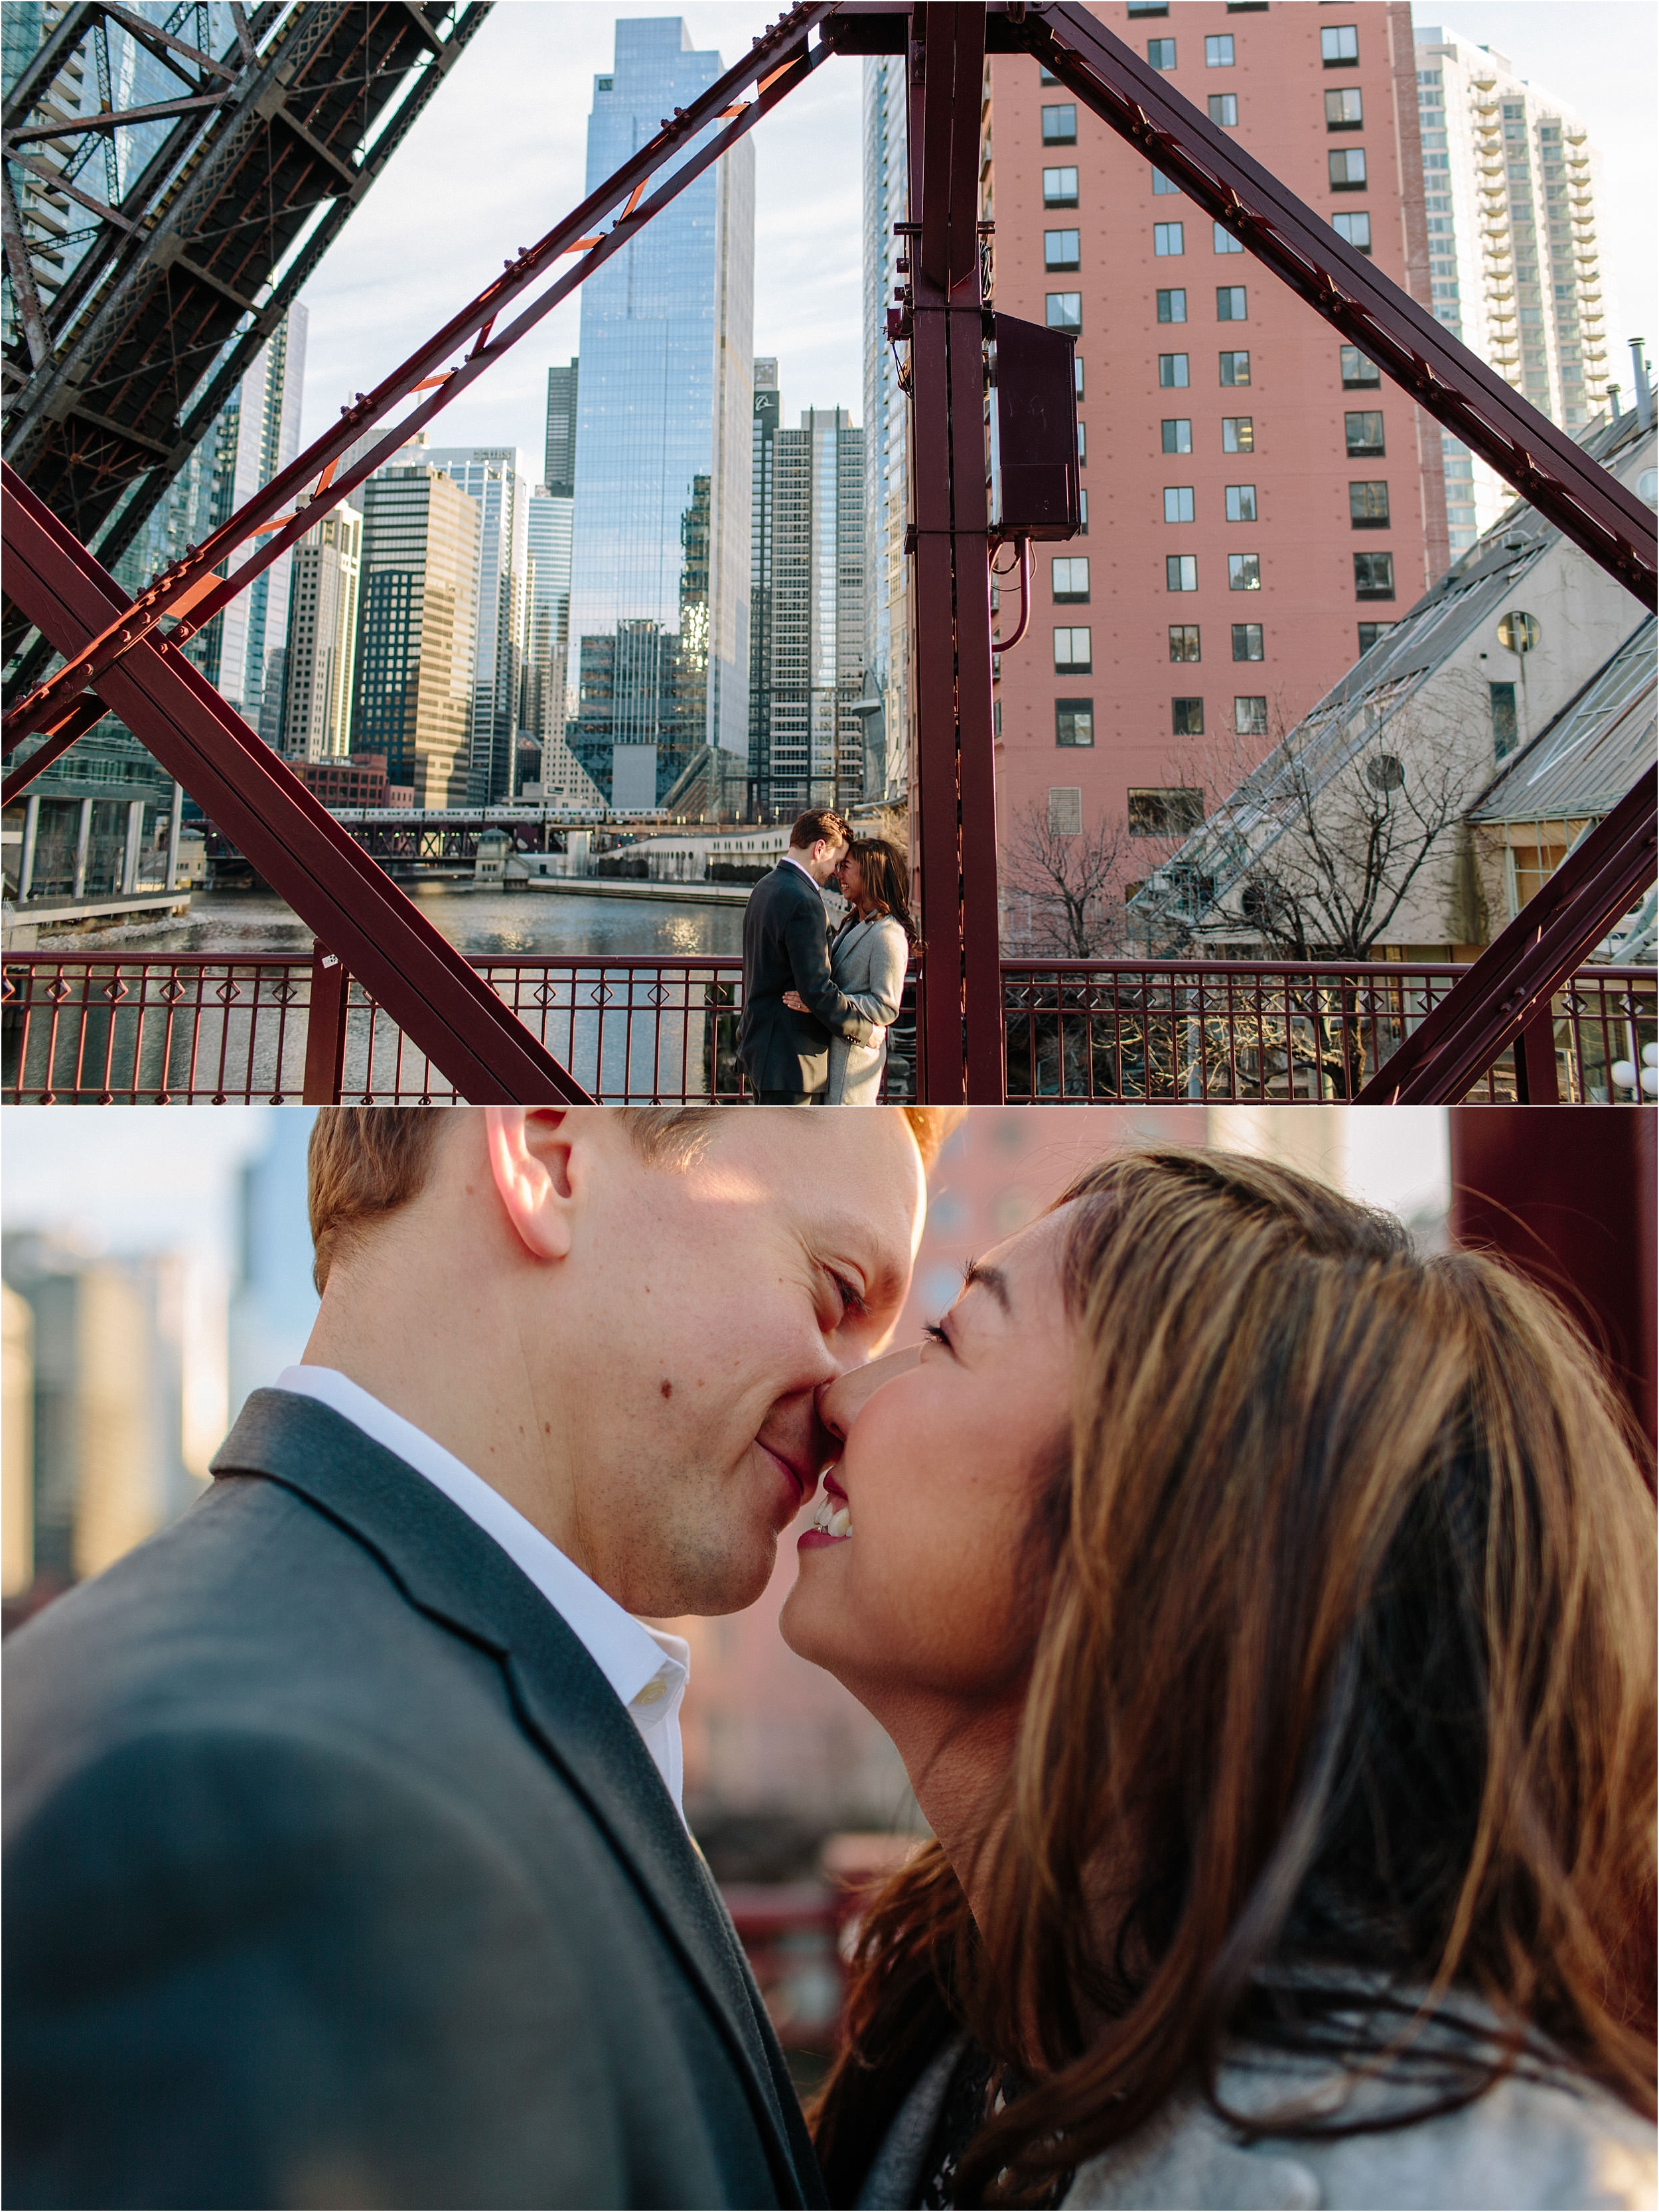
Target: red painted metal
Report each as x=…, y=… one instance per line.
x=351, y=904
x=1523, y=967
x=325, y=1028
x=84, y=714
x=1587, y=505
x=190, y=590
x=953, y=792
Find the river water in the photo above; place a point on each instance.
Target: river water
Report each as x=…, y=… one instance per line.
x=482, y=924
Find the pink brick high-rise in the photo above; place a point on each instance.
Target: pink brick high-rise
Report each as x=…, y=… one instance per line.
x=1258, y=500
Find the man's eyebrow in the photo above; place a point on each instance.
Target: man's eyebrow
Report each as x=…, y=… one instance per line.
x=977, y=1272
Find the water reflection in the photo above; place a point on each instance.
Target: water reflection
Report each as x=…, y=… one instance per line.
x=482, y=924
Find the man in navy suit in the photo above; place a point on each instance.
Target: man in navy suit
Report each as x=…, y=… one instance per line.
x=345, y=1861
x=785, y=948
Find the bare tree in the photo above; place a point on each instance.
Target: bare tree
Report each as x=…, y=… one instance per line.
x=1064, y=890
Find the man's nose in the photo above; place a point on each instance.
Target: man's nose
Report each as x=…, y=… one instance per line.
x=839, y=1402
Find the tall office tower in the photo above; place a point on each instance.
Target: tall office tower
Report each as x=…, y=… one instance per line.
x=816, y=741
x=495, y=477
x=564, y=781
x=1261, y=501
x=322, y=637
x=1510, y=180
x=417, y=631
x=242, y=650
x=559, y=456
x=886, y=495
x=762, y=486
x=660, y=584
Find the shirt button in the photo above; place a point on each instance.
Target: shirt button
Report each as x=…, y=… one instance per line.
x=655, y=1688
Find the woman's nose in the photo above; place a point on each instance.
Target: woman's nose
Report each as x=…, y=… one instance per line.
x=838, y=1402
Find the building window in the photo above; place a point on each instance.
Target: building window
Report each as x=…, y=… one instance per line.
x=1160, y=53
x=1075, y=721
x=1347, y=166
x=1339, y=46
x=1247, y=641
x=1177, y=436
x=1364, y=436
x=1060, y=188
x=1177, y=503
x=1083, y=528
x=1355, y=228
x=1238, y=434
x=1180, y=572
x=1174, y=813
x=1218, y=52
x=1358, y=372
x=1169, y=238
x=1071, y=579
x=1370, y=633
x=1243, y=572
x=1064, y=311
x=1505, y=728
x=1368, y=506
x=1172, y=306
x=1373, y=575
x=1188, y=717
x=1162, y=184
x=1148, y=7
x=1077, y=372
x=1235, y=368
x=1250, y=717
x=1343, y=110
x=1183, y=642
x=1240, y=503
x=1060, y=127
x=1229, y=303
x=1225, y=242
x=1061, y=249
x=1224, y=110
x=1172, y=371
x=1066, y=811
x=1082, y=444
x=1072, y=652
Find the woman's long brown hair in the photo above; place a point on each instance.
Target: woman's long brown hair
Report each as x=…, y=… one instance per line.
x=1341, y=1714
x=887, y=880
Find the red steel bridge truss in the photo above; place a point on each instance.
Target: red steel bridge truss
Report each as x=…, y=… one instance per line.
x=123, y=657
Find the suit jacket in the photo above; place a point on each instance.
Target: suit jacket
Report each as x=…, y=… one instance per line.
x=868, y=960
x=785, y=948
x=336, y=1874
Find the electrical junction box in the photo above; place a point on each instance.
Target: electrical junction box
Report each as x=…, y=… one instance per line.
x=1031, y=400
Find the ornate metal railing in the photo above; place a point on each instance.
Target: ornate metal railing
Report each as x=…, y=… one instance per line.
x=189, y=1028
x=1282, y=1033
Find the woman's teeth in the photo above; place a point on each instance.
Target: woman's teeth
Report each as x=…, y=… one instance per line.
x=832, y=1519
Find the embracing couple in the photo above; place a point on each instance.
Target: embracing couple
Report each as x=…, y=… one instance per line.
x=816, y=1008
x=1264, y=1613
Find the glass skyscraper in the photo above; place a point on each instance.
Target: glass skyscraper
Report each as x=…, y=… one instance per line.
x=659, y=564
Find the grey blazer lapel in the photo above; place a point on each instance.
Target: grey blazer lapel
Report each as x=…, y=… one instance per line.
x=450, y=1569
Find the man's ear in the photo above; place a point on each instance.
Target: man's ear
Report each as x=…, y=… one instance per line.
x=530, y=1149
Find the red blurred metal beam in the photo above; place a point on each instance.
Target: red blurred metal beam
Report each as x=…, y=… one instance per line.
x=256, y=799
x=954, y=789
x=1520, y=972
x=1587, y=504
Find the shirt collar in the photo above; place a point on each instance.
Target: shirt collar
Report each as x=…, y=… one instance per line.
x=648, y=1667
x=807, y=871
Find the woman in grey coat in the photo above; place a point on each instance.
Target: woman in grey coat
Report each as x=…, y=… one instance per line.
x=868, y=956
x=1264, y=1613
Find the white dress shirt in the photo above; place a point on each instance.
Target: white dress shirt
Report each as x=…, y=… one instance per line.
x=807, y=871
x=647, y=1668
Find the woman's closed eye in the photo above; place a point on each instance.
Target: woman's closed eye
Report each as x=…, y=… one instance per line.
x=936, y=1333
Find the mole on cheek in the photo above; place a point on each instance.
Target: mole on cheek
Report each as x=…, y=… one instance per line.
x=667, y=1389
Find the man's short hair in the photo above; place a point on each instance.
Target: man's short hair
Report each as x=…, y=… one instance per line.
x=819, y=822
x=365, y=1162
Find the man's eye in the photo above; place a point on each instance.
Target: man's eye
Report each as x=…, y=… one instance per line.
x=850, y=1299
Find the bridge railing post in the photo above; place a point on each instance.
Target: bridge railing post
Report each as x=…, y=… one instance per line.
x=326, y=1027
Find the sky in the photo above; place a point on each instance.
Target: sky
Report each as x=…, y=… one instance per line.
x=498, y=158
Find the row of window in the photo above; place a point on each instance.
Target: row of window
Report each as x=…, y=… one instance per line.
x=1373, y=575
x=1074, y=720
x=1186, y=642
x=1238, y=434
x=1367, y=503
x=1175, y=370
x=1060, y=190
x=1229, y=300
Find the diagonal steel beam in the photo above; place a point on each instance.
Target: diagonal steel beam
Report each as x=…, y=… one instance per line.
x=779, y=60
x=1521, y=971
x=1586, y=503
x=85, y=714
x=254, y=797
